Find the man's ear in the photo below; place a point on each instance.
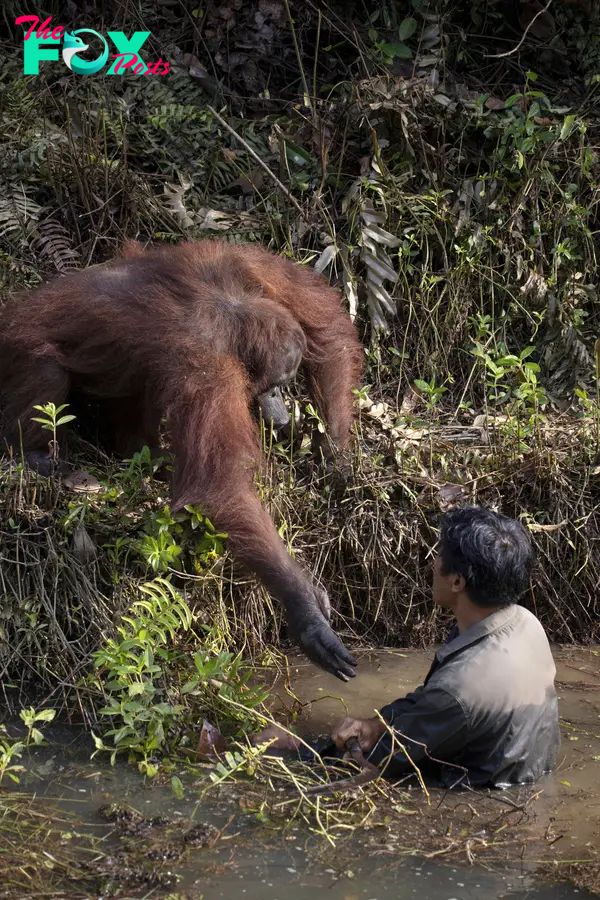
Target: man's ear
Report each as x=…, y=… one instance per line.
x=459, y=583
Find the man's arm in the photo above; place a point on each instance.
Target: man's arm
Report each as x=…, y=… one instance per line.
x=432, y=724
x=428, y=718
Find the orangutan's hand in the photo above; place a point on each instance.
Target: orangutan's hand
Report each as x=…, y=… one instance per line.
x=308, y=622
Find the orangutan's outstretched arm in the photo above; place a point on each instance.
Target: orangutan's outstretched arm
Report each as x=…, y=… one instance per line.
x=216, y=451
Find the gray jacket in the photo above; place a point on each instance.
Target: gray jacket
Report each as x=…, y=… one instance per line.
x=488, y=705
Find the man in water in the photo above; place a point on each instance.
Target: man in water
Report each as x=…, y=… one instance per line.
x=486, y=714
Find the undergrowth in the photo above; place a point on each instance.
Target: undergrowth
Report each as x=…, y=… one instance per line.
x=455, y=202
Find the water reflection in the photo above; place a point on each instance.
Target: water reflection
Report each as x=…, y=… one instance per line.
x=256, y=864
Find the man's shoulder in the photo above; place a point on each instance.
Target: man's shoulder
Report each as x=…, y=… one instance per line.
x=528, y=617
x=527, y=623
x=510, y=661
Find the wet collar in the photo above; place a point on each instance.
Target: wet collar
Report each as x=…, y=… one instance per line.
x=482, y=629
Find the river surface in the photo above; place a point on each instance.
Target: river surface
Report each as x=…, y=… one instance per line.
x=255, y=863
x=571, y=794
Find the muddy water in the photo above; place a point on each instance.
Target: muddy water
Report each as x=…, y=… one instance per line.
x=570, y=796
x=252, y=863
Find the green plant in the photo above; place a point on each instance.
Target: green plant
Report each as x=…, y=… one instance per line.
x=512, y=376
x=154, y=688
x=223, y=670
x=313, y=416
x=30, y=717
x=386, y=51
x=142, y=464
x=432, y=393
x=235, y=763
x=131, y=667
x=168, y=539
x=205, y=542
x=10, y=750
x=512, y=382
x=50, y=421
x=160, y=552
x=525, y=125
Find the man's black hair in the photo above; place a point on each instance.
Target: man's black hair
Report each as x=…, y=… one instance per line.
x=492, y=552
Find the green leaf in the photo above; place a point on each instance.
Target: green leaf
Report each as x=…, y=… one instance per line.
x=514, y=98
x=567, y=127
x=136, y=689
x=297, y=154
x=407, y=28
x=37, y=736
x=64, y=420
x=122, y=733
x=422, y=385
x=400, y=51
x=177, y=787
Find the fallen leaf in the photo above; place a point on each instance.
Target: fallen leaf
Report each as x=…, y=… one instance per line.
x=450, y=494
x=540, y=23
x=83, y=546
x=410, y=401
x=214, y=220
x=494, y=103
x=534, y=526
x=82, y=482
x=211, y=742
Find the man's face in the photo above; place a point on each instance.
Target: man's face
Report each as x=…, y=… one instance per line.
x=445, y=588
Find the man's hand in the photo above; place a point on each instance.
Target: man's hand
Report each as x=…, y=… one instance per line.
x=366, y=731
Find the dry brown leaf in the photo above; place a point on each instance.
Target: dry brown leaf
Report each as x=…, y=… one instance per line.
x=253, y=180
x=544, y=26
x=83, y=546
x=494, y=103
x=536, y=527
x=81, y=482
x=410, y=401
x=210, y=743
x=450, y=494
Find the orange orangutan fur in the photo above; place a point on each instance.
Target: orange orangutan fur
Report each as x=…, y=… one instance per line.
x=191, y=332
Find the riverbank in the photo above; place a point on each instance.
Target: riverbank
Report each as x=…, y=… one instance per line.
x=439, y=163
x=499, y=844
